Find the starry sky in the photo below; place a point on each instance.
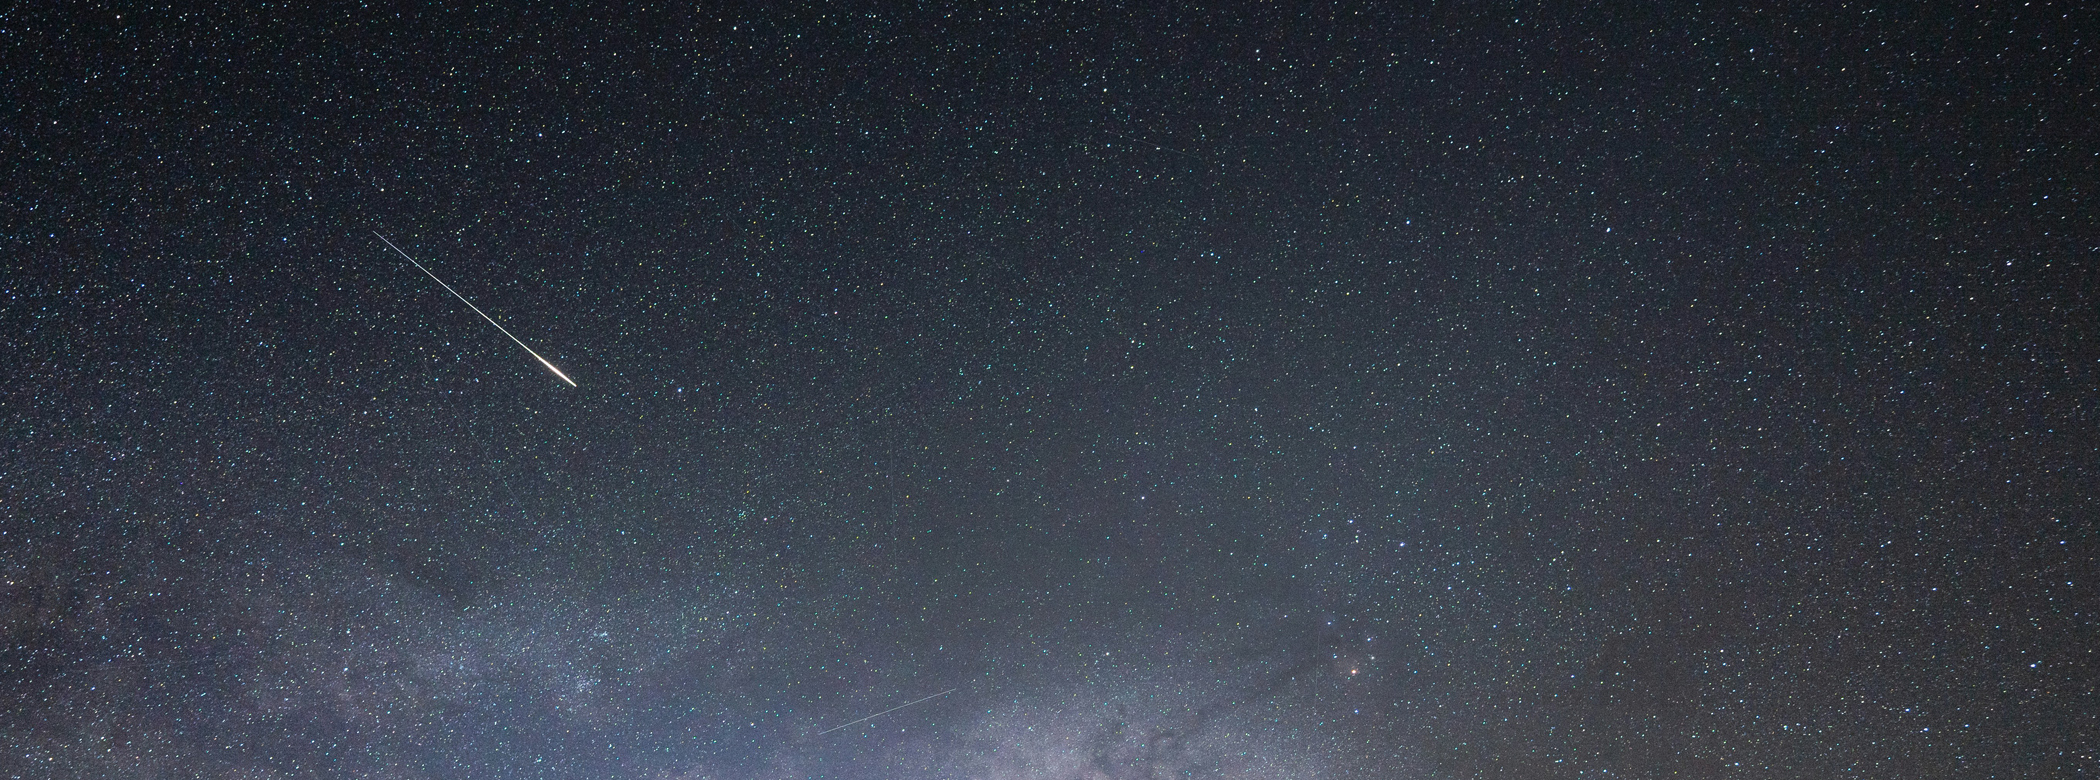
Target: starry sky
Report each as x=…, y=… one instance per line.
x=1454, y=390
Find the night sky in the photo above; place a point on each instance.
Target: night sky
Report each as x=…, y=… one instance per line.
x=1485, y=390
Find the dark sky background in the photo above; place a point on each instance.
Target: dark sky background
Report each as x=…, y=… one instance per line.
x=1492, y=390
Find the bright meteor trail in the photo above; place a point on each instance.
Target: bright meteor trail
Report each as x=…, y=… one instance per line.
x=886, y=712
x=477, y=310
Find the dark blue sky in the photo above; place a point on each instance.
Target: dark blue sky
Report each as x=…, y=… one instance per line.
x=1488, y=391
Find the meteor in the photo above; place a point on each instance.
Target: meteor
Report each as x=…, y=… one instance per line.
x=477, y=310
x=886, y=712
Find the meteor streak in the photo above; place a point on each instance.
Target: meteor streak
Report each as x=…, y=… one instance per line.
x=886, y=712
x=477, y=310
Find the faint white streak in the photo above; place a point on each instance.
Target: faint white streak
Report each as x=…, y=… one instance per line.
x=885, y=712
x=477, y=310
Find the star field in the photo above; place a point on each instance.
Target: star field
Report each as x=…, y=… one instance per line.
x=1484, y=391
